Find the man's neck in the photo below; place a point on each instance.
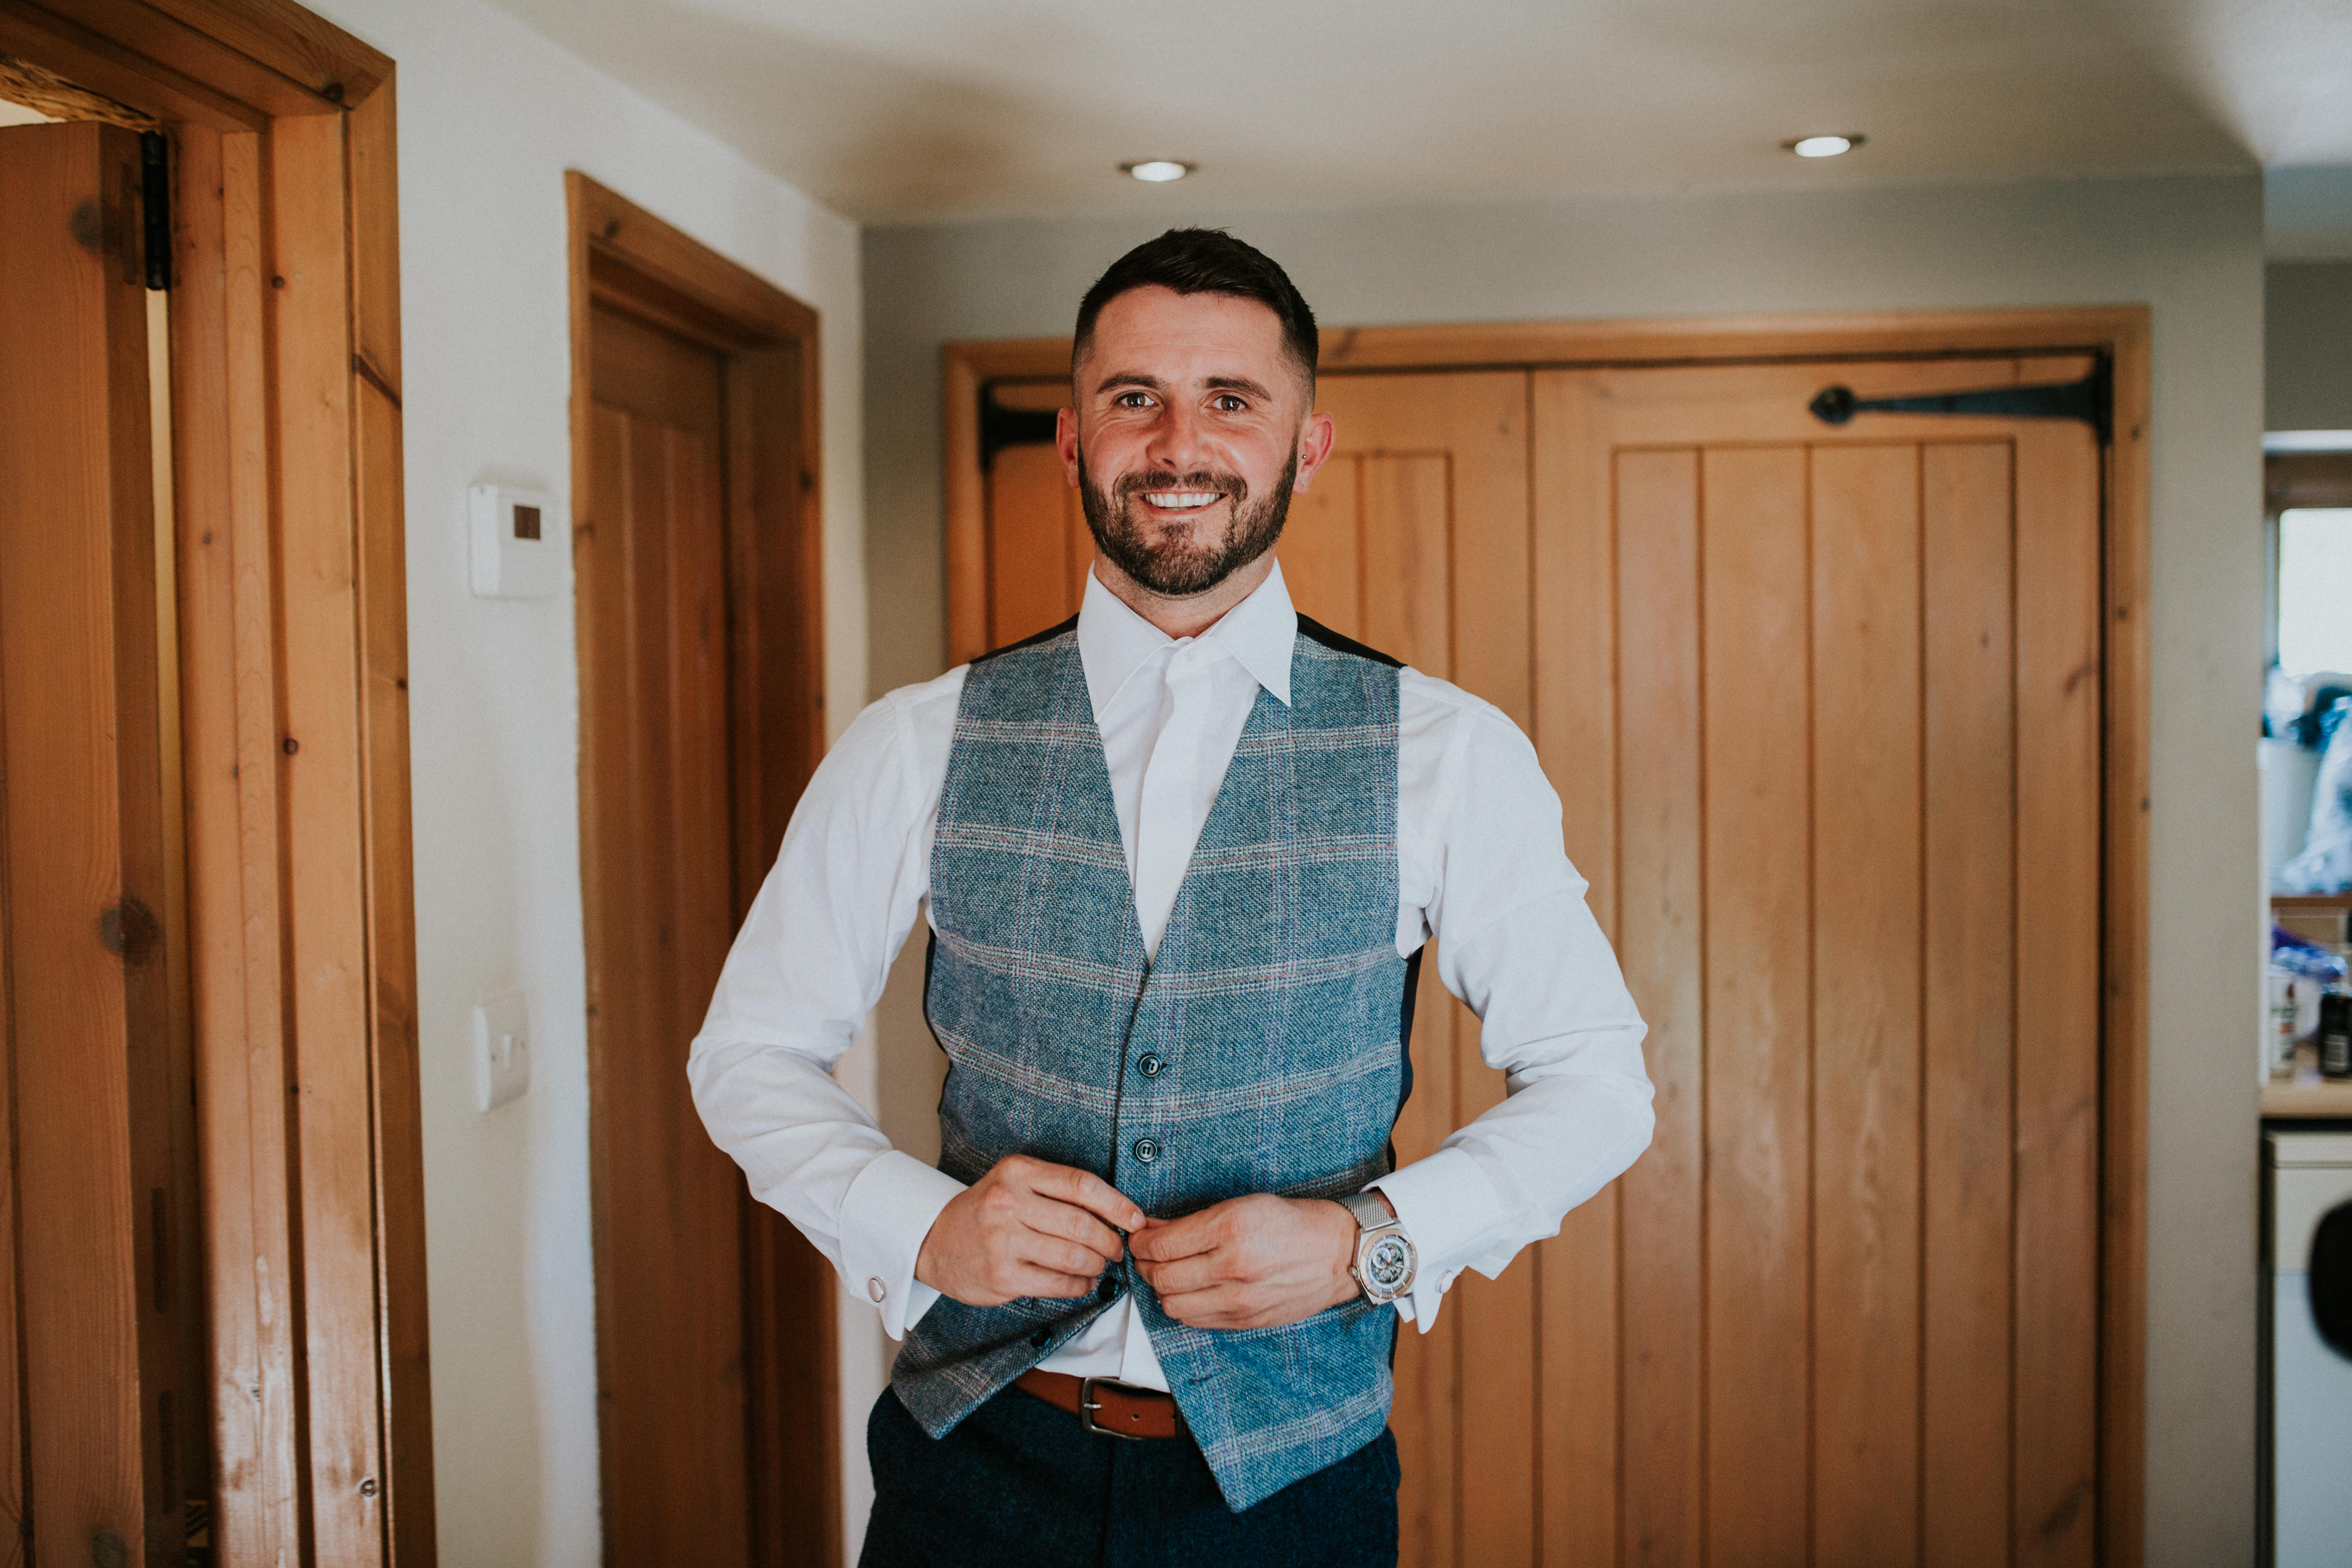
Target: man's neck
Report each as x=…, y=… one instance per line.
x=1187, y=615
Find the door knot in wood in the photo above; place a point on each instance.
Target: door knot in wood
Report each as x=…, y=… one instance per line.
x=130, y=931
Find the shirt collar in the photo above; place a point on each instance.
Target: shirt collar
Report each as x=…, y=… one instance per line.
x=1114, y=641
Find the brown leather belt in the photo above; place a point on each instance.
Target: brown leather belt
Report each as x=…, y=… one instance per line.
x=1113, y=1409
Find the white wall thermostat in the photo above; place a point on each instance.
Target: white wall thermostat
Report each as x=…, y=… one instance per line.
x=501, y=1050
x=522, y=538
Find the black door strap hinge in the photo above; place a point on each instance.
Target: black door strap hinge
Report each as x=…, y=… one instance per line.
x=2091, y=400
x=1000, y=427
x=155, y=206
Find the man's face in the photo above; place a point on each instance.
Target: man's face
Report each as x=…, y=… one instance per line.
x=1189, y=431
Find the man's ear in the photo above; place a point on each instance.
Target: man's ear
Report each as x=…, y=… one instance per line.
x=1317, y=437
x=1066, y=442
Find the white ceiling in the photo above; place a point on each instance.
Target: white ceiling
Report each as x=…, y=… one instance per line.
x=909, y=109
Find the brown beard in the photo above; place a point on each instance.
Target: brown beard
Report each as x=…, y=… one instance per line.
x=1172, y=567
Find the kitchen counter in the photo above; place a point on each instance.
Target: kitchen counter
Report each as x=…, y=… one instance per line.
x=2330, y=1098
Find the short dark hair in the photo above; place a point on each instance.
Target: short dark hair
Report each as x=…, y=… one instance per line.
x=1204, y=261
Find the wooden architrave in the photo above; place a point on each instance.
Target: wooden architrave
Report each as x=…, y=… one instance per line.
x=2123, y=332
x=293, y=659
x=624, y=257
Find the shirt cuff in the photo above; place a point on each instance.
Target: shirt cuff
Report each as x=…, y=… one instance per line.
x=1448, y=1209
x=884, y=1215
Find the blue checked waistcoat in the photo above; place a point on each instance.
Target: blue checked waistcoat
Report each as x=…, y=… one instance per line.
x=1264, y=1050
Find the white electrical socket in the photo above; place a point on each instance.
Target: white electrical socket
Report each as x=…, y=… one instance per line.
x=501, y=1050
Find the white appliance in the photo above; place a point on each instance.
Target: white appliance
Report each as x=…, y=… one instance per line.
x=2309, y=1443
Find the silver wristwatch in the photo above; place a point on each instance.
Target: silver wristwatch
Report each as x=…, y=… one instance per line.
x=1385, y=1259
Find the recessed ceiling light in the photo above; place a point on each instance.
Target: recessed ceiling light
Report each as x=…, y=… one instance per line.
x=1823, y=146
x=1159, y=171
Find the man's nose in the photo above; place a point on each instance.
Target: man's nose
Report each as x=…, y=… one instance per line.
x=1177, y=441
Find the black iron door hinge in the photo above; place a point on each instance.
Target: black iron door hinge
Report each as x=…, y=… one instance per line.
x=1000, y=427
x=155, y=206
x=2091, y=400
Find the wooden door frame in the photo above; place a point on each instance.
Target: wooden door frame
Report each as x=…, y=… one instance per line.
x=623, y=255
x=2123, y=333
x=293, y=659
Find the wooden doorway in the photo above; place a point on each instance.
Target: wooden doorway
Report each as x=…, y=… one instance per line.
x=1838, y=715
x=695, y=446
x=233, y=696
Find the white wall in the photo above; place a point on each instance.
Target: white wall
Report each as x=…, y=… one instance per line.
x=2307, y=213
x=2191, y=248
x=490, y=117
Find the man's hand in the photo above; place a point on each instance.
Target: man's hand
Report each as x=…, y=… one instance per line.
x=1250, y=1263
x=1026, y=1228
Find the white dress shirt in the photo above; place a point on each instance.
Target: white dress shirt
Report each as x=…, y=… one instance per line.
x=1481, y=868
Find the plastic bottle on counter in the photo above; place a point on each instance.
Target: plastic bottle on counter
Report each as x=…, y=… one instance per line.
x=2302, y=975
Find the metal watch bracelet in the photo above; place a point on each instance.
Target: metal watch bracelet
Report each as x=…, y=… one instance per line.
x=1386, y=1260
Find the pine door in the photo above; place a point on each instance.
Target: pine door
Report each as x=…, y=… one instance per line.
x=701, y=686
x=1822, y=707
x=669, y=1243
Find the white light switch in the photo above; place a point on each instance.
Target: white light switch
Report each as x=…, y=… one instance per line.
x=501, y=1050
x=521, y=540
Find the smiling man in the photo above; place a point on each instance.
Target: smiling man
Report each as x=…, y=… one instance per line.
x=1179, y=858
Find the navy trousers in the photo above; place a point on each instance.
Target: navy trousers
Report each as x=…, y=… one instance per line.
x=1023, y=1484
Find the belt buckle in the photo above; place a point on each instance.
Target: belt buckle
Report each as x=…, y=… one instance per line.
x=1088, y=1404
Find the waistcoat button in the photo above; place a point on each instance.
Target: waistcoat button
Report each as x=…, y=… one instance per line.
x=1149, y=1064
x=1146, y=1150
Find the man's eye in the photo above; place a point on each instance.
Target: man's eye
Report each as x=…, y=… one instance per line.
x=1229, y=403
x=1130, y=400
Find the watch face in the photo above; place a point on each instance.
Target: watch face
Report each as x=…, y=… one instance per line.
x=1389, y=1263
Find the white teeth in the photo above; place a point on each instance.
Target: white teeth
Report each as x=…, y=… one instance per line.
x=1181, y=500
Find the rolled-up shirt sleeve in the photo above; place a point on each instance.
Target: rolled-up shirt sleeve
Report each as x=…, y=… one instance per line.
x=1485, y=872
x=806, y=970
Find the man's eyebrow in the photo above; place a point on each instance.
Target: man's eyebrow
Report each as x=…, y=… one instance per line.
x=1240, y=383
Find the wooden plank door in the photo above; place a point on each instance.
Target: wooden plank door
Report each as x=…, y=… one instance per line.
x=1413, y=539
x=699, y=628
x=669, y=1234
x=1826, y=705
x=95, y=1419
